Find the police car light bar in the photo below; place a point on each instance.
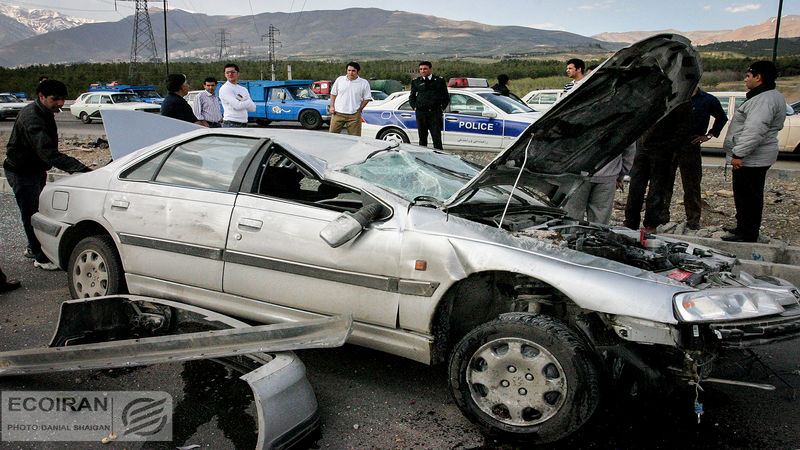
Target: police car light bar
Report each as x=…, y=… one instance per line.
x=467, y=82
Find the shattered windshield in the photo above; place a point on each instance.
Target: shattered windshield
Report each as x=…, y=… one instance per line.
x=411, y=174
x=507, y=104
x=302, y=92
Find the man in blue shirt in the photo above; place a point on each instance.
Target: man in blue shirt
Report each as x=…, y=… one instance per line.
x=687, y=156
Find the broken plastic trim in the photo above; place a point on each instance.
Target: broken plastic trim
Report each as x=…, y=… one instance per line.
x=81, y=314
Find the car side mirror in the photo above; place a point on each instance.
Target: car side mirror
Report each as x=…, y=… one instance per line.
x=347, y=226
x=488, y=113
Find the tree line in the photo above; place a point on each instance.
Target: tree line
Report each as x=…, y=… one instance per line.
x=79, y=76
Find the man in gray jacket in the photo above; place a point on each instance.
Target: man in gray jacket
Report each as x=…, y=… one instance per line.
x=751, y=146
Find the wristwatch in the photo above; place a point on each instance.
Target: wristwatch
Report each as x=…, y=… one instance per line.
x=710, y=136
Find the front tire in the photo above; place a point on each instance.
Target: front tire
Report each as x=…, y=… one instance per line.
x=311, y=120
x=524, y=377
x=95, y=269
x=85, y=117
x=393, y=135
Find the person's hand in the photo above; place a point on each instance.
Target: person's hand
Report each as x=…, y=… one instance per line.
x=736, y=163
x=701, y=139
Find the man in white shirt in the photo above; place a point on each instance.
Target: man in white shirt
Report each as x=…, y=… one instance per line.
x=349, y=95
x=235, y=99
x=575, y=69
x=206, y=104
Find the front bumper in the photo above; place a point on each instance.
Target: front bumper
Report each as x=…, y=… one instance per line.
x=9, y=113
x=49, y=233
x=761, y=331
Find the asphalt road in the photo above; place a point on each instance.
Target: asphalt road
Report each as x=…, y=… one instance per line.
x=371, y=399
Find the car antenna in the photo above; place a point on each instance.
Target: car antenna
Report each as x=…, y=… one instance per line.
x=513, y=188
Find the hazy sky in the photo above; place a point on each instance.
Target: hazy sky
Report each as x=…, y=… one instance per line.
x=584, y=17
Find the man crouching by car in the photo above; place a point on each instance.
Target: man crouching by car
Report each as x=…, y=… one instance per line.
x=31, y=151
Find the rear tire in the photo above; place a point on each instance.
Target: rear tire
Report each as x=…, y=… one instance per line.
x=393, y=135
x=310, y=120
x=524, y=377
x=94, y=268
x=85, y=118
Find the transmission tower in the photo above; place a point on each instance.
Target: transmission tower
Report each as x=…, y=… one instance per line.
x=271, y=36
x=223, y=43
x=143, y=45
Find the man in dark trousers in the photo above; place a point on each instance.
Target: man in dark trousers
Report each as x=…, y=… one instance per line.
x=429, y=98
x=688, y=159
x=31, y=151
x=652, y=165
x=174, y=104
x=751, y=146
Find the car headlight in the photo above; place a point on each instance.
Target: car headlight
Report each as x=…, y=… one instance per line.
x=726, y=304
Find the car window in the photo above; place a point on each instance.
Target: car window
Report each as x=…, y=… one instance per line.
x=725, y=102
x=105, y=100
x=207, y=163
x=406, y=106
x=283, y=177
x=547, y=98
x=93, y=99
x=464, y=104
x=145, y=170
x=506, y=104
x=125, y=98
x=789, y=110
x=278, y=94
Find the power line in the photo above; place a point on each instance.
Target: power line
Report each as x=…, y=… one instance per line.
x=223, y=43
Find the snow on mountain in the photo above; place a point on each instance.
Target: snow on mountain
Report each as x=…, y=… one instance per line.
x=41, y=21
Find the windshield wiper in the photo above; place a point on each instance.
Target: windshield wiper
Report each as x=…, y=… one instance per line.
x=392, y=147
x=444, y=169
x=426, y=200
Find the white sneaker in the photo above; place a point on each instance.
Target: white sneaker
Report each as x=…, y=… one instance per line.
x=45, y=266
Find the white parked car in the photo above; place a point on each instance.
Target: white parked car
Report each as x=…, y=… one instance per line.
x=10, y=105
x=191, y=96
x=542, y=100
x=788, y=137
x=477, y=119
x=92, y=103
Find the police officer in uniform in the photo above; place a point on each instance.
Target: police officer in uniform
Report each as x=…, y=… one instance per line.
x=429, y=98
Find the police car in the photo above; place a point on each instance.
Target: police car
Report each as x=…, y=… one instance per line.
x=477, y=119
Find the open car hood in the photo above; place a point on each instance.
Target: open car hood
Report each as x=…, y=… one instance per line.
x=596, y=121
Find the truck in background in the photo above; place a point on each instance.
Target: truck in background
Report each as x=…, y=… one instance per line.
x=286, y=100
x=146, y=92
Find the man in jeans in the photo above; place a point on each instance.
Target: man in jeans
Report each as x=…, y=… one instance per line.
x=349, y=95
x=31, y=151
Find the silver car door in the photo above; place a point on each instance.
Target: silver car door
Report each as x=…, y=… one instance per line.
x=170, y=211
x=274, y=252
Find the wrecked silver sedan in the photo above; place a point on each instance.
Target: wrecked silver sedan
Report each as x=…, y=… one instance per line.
x=436, y=259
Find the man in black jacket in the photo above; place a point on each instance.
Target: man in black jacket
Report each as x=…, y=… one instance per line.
x=175, y=105
x=31, y=151
x=429, y=98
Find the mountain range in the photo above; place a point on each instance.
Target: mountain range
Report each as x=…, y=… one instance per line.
x=46, y=37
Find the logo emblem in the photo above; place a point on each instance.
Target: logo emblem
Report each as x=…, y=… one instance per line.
x=144, y=416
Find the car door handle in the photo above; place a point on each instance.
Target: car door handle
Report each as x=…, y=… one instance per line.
x=119, y=204
x=452, y=119
x=251, y=224
x=406, y=115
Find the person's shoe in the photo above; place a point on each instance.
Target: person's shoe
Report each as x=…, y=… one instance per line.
x=45, y=266
x=731, y=230
x=28, y=253
x=9, y=285
x=649, y=230
x=692, y=226
x=733, y=237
